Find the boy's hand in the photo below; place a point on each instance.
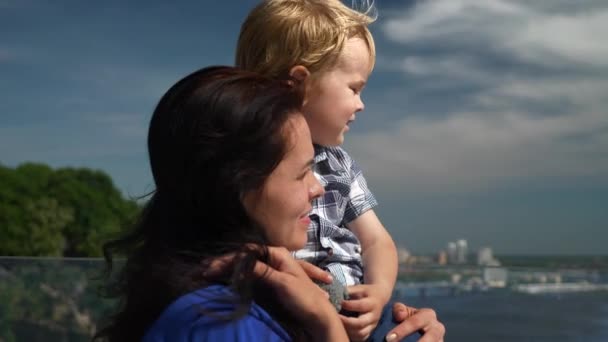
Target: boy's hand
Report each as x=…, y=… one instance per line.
x=368, y=301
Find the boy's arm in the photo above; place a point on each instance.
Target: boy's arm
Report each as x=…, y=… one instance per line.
x=380, y=272
x=378, y=252
x=377, y=247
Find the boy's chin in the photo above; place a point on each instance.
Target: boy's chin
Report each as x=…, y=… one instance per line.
x=331, y=142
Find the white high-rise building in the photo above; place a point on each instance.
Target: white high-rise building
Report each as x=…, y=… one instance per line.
x=452, y=256
x=461, y=251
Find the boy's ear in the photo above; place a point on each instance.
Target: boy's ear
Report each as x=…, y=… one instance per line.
x=299, y=73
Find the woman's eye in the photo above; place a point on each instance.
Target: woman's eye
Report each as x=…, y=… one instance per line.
x=302, y=176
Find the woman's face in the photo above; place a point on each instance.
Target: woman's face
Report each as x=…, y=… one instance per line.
x=283, y=203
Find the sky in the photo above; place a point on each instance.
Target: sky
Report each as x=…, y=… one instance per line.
x=484, y=120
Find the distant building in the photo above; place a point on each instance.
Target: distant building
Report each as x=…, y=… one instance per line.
x=442, y=258
x=419, y=260
x=495, y=276
x=461, y=251
x=402, y=255
x=451, y=251
x=485, y=257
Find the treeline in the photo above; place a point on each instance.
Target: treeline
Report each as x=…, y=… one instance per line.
x=66, y=212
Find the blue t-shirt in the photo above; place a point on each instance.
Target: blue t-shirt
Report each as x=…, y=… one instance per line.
x=185, y=320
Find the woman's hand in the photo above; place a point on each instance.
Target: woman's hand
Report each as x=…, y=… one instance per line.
x=296, y=291
x=221, y=265
x=412, y=320
x=315, y=273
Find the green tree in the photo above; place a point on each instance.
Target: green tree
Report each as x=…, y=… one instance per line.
x=30, y=224
x=100, y=211
x=69, y=212
x=40, y=231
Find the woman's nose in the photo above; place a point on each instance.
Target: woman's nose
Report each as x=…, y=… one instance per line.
x=316, y=189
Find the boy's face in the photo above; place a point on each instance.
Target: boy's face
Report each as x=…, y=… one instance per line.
x=334, y=96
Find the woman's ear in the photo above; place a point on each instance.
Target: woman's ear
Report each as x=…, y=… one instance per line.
x=249, y=200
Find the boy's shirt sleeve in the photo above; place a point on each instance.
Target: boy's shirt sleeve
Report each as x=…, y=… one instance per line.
x=360, y=198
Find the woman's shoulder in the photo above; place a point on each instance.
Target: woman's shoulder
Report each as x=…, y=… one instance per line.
x=203, y=315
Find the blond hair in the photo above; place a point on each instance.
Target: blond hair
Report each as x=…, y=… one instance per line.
x=280, y=34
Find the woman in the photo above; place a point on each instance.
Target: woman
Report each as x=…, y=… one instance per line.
x=231, y=158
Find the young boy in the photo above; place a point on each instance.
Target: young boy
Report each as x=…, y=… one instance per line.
x=327, y=48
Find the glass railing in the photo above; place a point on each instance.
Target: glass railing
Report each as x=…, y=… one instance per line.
x=50, y=299
x=43, y=299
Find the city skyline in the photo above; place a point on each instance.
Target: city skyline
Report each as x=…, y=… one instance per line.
x=484, y=121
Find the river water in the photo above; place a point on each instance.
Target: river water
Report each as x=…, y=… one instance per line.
x=504, y=315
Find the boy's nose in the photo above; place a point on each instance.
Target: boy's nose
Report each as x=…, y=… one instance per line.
x=360, y=105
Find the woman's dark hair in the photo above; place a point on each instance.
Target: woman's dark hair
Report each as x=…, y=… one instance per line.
x=216, y=134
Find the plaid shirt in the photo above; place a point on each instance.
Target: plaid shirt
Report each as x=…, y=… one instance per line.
x=330, y=244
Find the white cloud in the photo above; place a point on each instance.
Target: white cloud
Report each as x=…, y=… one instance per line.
x=441, y=18
x=518, y=28
x=473, y=151
x=575, y=39
x=535, y=111
x=461, y=67
x=584, y=93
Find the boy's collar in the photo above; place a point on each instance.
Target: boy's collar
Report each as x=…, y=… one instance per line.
x=320, y=153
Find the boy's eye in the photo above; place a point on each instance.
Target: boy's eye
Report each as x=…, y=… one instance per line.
x=356, y=90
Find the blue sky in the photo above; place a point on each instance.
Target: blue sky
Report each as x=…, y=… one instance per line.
x=485, y=120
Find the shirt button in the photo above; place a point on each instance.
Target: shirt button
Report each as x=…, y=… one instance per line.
x=357, y=249
x=330, y=251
